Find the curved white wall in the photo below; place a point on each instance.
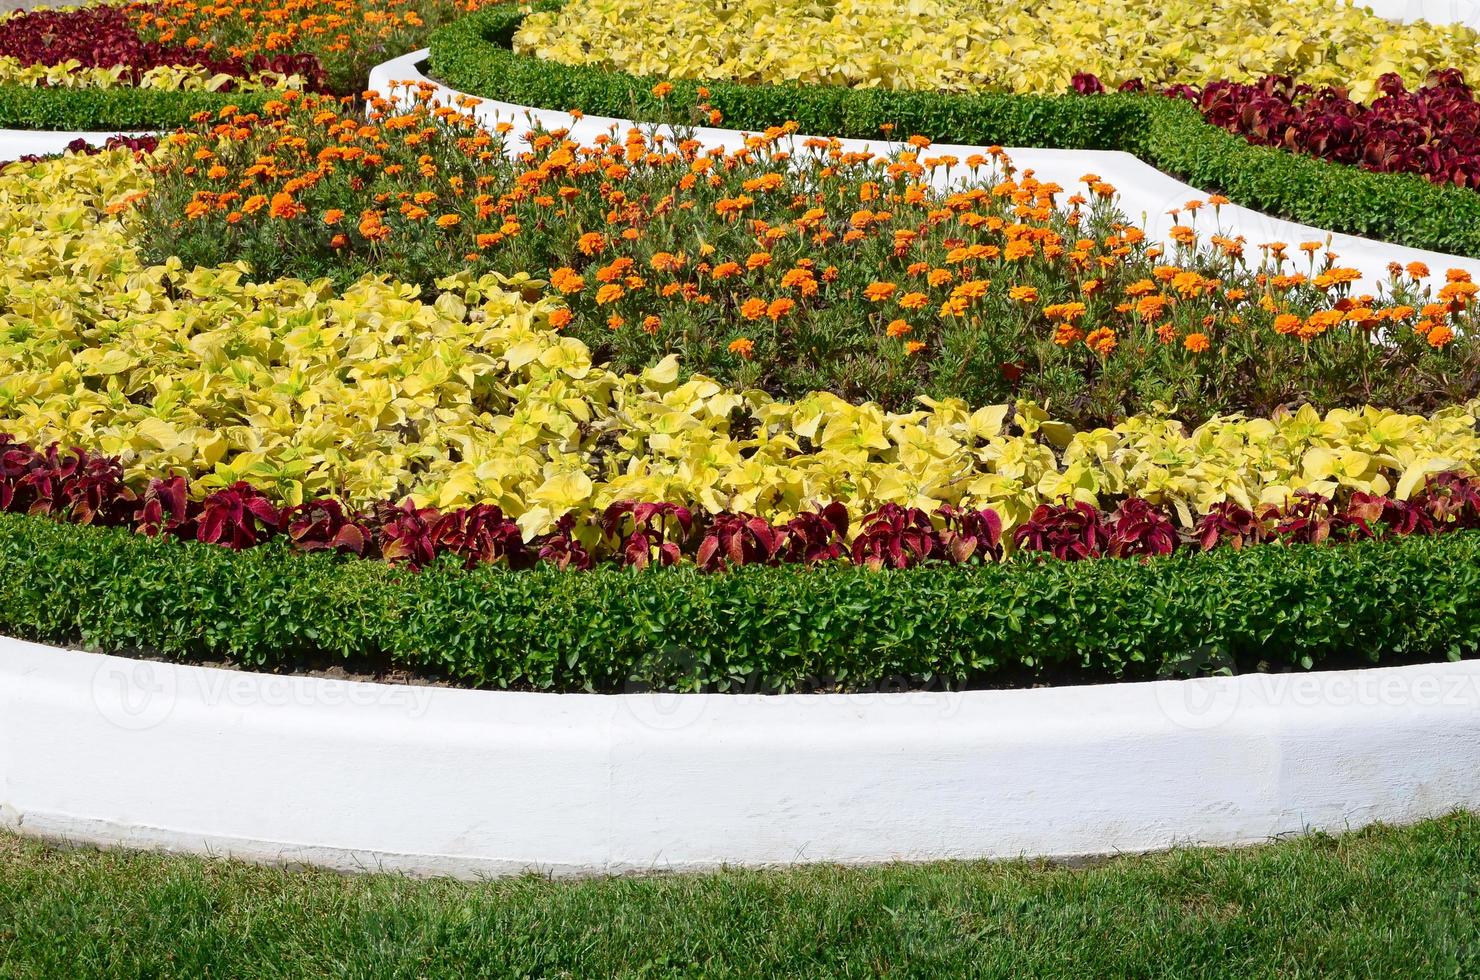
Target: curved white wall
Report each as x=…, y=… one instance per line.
x=439, y=780
x=1146, y=194
x=16, y=143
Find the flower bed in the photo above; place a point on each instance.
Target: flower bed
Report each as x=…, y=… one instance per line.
x=819, y=269
x=152, y=65
x=473, y=56
x=305, y=391
x=967, y=45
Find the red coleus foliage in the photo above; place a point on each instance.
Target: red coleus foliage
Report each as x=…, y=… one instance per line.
x=1068, y=531
x=81, y=487
x=102, y=37
x=1433, y=130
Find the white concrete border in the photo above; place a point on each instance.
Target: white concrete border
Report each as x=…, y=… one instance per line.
x=438, y=780
x=16, y=143
x=1146, y=194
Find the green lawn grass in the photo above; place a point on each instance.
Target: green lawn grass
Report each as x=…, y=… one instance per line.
x=1382, y=902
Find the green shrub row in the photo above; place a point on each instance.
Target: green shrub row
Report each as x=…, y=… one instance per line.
x=114, y=109
x=473, y=55
x=754, y=628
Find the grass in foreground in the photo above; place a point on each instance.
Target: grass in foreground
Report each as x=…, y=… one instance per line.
x=1381, y=902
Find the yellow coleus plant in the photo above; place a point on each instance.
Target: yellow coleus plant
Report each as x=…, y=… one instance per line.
x=1018, y=46
x=168, y=78
x=469, y=396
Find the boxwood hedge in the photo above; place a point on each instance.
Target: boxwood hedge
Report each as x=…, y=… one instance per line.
x=114, y=109
x=473, y=55
x=754, y=628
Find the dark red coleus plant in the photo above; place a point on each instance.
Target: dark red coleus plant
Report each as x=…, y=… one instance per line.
x=1139, y=528
x=482, y=534
x=1068, y=531
x=322, y=524
x=897, y=537
x=647, y=533
x=971, y=534
x=1433, y=130
x=738, y=539
x=237, y=517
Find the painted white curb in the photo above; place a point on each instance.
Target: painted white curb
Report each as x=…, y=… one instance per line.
x=438, y=780
x=16, y=143
x=1146, y=194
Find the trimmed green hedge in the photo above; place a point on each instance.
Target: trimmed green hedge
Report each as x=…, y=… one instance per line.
x=113, y=109
x=473, y=56
x=754, y=628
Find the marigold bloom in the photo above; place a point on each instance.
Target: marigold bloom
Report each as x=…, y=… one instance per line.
x=1101, y=340
x=744, y=346
x=284, y=207
x=448, y=220
x=560, y=318
x=897, y=329
x=913, y=347
x=778, y=308
x=914, y=301
x=609, y=293
x=1440, y=336
x=650, y=324
x=1196, y=342
x=566, y=280
x=879, y=291
x=753, y=309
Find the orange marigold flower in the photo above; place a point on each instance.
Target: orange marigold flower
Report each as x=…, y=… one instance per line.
x=650, y=324
x=725, y=270
x=1023, y=294
x=609, y=293
x=1101, y=340
x=1196, y=342
x=560, y=318
x=753, y=309
x=254, y=203
x=914, y=301
x=758, y=260
x=566, y=280
x=283, y=206
x=778, y=308
x=1286, y=323
x=1066, y=334
x=1440, y=336
x=591, y=242
x=897, y=329
x=744, y=346
x=333, y=216
x=449, y=220
x=615, y=322
x=879, y=291
x=662, y=90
